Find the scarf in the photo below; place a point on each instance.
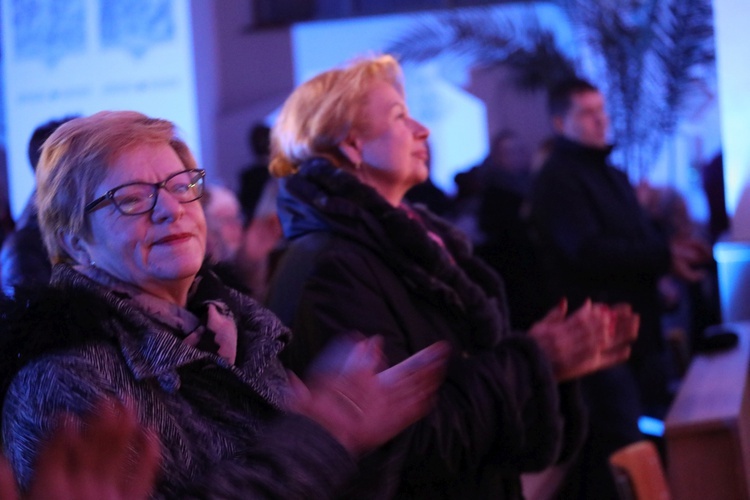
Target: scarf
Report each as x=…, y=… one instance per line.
x=207, y=323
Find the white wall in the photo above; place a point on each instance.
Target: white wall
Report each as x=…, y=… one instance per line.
x=734, y=97
x=254, y=74
x=733, y=256
x=205, y=51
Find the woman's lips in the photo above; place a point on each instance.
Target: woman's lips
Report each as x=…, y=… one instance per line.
x=172, y=238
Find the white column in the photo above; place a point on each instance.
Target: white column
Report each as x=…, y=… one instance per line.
x=733, y=72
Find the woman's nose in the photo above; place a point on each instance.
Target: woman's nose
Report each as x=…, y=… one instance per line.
x=420, y=131
x=167, y=207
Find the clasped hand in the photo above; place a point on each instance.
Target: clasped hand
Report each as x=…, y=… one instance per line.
x=594, y=337
x=689, y=255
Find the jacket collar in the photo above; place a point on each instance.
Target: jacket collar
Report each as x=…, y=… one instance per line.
x=152, y=349
x=321, y=197
x=586, y=153
x=319, y=190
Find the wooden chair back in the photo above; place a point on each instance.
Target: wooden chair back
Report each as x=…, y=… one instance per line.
x=639, y=472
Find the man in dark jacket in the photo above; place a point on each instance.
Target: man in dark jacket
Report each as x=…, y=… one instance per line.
x=598, y=243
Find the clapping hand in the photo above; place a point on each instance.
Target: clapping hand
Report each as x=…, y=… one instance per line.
x=594, y=337
x=362, y=404
x=106, y=455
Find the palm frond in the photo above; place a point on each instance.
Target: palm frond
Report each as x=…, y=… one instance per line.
x=541, y=65
x=685, y=42
x=476, y=34
x=648, y=51
x=428, y=39
x=488, y=40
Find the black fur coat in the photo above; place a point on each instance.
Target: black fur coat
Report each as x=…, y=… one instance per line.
x=354, y=262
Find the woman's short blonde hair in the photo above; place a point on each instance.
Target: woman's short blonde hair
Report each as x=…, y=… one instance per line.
x=320, y=113
x=75, y=160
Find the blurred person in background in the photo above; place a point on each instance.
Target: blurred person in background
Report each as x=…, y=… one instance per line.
x=598, y=243
x=242, y=253
x=23, y=259
x=254, y=176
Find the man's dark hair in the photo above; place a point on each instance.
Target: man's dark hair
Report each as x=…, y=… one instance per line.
x=41, y=134
x=259, y=139
x=560, y=95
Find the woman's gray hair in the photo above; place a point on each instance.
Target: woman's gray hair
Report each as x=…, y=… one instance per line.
x=75, y=160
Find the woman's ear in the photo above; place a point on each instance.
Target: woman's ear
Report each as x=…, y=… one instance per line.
x=351, y=148
x=74, y=246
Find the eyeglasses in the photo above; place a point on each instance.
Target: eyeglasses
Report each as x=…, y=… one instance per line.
x=137, y=198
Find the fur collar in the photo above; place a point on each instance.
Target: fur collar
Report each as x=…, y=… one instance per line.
x=321, y=197
x=43, y=320
x=74, y=311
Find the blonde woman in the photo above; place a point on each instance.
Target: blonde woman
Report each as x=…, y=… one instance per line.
x=359, y=258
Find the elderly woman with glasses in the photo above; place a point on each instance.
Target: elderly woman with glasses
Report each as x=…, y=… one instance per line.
x=359, y=257
x=133, y=315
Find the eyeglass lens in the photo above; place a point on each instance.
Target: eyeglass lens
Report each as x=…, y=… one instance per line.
x=141, y=197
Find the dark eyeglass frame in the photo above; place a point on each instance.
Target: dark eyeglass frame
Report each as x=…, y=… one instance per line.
x=110, y=195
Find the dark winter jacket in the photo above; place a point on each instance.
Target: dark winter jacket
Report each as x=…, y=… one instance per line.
x=598, y=241
x=222, y=431
x=356, y=263
x=23, y=258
